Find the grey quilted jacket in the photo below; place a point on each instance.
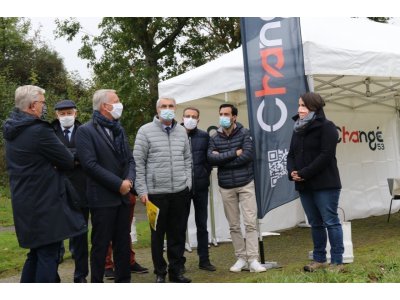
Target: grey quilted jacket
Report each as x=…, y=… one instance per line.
x=163, y=161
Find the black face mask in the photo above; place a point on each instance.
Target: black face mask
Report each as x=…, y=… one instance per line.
x=44, y=112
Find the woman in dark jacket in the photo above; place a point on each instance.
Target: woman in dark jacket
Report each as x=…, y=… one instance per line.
x=312, y=166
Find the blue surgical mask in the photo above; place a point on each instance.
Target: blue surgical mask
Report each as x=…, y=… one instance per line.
x=225, y=122
x=167, y=114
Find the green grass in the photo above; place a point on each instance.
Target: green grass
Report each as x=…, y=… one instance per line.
x=12, y=257
x=376, y=247
x=6, y=218
x=143, y=235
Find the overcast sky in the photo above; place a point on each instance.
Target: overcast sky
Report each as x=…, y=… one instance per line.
x=67, y=50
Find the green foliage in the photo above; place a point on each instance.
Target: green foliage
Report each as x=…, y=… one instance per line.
x=139, y=52
x=207, y=39
x=379, y=19
x=29, y=60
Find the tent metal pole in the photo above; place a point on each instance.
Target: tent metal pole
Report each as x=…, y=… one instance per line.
x=310, y=81
x=212, y=213
x=260, y=243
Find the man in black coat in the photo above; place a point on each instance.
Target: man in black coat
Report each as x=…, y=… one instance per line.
x=65, y=127
x=106, y=158
x=35, y=158
x=198, y=140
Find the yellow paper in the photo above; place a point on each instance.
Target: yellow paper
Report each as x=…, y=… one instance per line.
x=152, y=214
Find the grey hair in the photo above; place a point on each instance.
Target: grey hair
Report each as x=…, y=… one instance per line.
x=164, y=98
x=26, y=94
x=100, y=97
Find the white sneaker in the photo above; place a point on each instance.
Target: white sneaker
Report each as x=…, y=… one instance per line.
x=238, y=266
x=256, y=267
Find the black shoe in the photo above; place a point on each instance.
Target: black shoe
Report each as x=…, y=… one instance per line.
x=207, y=266
x=109, y=274
x=80, y=280
x=136, y=268
x=160, y=279
x=179, y=279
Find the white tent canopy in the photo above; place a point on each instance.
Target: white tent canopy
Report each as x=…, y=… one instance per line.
x=355, y=65
x=333, y=48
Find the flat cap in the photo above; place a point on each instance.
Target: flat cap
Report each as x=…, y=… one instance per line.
x=64, y=104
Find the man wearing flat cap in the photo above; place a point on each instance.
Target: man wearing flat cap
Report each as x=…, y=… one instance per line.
x=65, y=127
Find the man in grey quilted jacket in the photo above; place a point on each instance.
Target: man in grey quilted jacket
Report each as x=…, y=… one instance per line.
x=163, y=177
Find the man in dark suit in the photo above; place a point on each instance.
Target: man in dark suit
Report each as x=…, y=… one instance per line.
x=65, y=127
x=105, y=156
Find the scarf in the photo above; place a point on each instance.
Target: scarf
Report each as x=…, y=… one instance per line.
x=118, y=133
x=301, y=124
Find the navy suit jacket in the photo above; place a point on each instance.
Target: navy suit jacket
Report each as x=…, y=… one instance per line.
x=105, y=171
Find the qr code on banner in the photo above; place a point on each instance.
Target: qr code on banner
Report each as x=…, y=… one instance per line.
x=277, y=161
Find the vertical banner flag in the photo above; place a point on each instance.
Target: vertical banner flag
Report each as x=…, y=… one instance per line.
x=275, y=79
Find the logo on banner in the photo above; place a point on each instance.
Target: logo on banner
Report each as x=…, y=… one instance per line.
x=271, y=50
x=373, y=138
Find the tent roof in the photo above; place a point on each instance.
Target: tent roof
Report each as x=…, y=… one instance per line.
x=350, y=46
x=347, y=58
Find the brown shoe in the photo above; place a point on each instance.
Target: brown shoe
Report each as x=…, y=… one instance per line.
x=336, y=268
x=314, y=266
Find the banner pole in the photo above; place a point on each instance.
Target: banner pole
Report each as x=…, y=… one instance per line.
x=260, y=243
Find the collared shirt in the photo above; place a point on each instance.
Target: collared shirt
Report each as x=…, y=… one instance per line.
x=109, y=132
x=71, y=129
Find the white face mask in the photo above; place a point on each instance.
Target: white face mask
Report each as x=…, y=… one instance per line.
x=116, y=112
x=189, y=123
x=67, y=121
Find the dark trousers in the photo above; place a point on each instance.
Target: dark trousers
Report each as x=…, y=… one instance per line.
x=109, y=261
x=41, y=264
x=200, y=203
x=79, y=244
x=172, y=223
x=110, y=224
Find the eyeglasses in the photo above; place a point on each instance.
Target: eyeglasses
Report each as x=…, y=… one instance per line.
x=43, y=102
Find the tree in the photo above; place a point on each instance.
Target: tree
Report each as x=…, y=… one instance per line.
x=139, y=52
x=379, y=19
x=206, y=40
x=28, y=60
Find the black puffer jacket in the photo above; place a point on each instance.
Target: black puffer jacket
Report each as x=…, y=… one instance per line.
x=199, y=140
x=233, y=171
x=313, y=154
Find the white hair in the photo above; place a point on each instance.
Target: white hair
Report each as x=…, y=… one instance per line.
x=26, y=94
x=100, y=97
x=165, y=98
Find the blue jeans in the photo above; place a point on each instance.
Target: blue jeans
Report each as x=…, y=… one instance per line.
x=321, y=210
x=41, y=264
